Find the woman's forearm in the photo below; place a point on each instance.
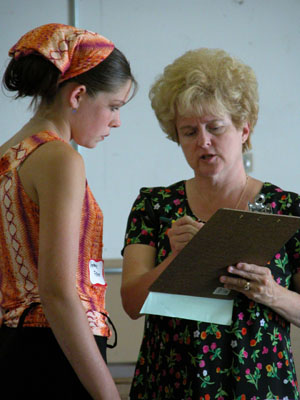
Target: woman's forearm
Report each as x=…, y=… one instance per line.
x=135, y=287
x=287, y=304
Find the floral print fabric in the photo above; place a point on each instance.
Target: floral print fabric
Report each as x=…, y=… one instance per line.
x=182, y=359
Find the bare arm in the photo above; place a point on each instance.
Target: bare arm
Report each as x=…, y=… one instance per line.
x=138, y=275
x=59, y=180
x=139, y=270
x=264, y=289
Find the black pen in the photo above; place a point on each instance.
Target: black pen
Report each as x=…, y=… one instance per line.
x=168, y=221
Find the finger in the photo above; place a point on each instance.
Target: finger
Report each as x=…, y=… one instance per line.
x=252, y=268
x=184, y=237
x=188, y=221
x=237, y=284
x=177, y=235
x=182, y=229
x=233, y=282
x=250, y=271
x=184, y=220
x=239, y=272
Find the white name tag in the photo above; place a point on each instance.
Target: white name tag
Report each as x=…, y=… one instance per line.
x=97, y=272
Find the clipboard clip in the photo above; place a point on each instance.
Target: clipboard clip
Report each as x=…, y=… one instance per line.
x=260, y=205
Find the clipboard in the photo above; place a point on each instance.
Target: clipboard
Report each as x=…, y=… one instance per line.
x=230, y=236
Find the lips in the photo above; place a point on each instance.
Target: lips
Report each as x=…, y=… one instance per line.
x=207, y=156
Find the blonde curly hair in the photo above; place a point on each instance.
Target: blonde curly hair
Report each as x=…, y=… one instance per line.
x=205, y=81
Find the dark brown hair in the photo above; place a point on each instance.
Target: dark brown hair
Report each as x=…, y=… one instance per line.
x=35, y=76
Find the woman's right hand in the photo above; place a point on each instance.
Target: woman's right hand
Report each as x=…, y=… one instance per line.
x=181, y=232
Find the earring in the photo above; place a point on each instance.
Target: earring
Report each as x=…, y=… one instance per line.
x=74, y=110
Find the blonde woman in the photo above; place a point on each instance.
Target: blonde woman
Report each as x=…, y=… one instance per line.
x=207, y=102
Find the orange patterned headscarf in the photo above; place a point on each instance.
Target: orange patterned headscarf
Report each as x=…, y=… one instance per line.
x=73, y=51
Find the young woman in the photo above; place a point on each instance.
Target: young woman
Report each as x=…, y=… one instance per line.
x=52, y=289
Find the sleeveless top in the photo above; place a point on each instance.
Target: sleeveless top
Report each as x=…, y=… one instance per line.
x=19, y=231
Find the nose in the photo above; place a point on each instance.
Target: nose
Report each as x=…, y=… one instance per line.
x=203, y=138
x=116, y=121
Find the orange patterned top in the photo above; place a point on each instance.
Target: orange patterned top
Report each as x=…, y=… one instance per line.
x=19, y=229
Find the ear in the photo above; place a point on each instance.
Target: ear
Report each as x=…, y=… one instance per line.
x=75, y=96
x=245, y=132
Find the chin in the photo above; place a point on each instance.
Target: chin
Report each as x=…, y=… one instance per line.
x=88, y=145
x=208, y=172
x=210, y=176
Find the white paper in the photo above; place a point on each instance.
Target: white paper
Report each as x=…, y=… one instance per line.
x=202, y=309
x=97, y=272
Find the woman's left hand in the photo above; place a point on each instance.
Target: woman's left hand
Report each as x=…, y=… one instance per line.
x=253, y=281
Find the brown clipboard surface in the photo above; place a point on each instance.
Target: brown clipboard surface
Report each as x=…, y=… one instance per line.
x=230, y=236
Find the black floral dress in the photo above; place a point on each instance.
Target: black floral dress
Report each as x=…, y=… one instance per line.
x=182, y=359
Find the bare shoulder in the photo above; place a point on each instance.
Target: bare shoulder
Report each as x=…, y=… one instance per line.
x=52, y=167
x=57, y=151
x=60, y=164
x=56, y=157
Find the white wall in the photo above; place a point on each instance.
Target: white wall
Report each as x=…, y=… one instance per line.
x=263, y=33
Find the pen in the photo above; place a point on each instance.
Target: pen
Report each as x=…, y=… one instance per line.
x=169, y=221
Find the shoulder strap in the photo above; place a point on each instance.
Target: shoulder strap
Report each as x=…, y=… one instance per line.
x=14, y=157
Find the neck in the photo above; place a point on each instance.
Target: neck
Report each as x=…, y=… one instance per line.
x=46, y=122
x=230, y=185
x=206, y=196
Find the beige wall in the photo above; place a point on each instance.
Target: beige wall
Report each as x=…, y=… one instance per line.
x=129, y=331
x=296, y=348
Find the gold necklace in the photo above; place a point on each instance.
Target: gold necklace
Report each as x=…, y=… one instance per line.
x=242, y=194
x=238, y=202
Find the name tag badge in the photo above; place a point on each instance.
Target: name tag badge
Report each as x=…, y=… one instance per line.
x=97, y=273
